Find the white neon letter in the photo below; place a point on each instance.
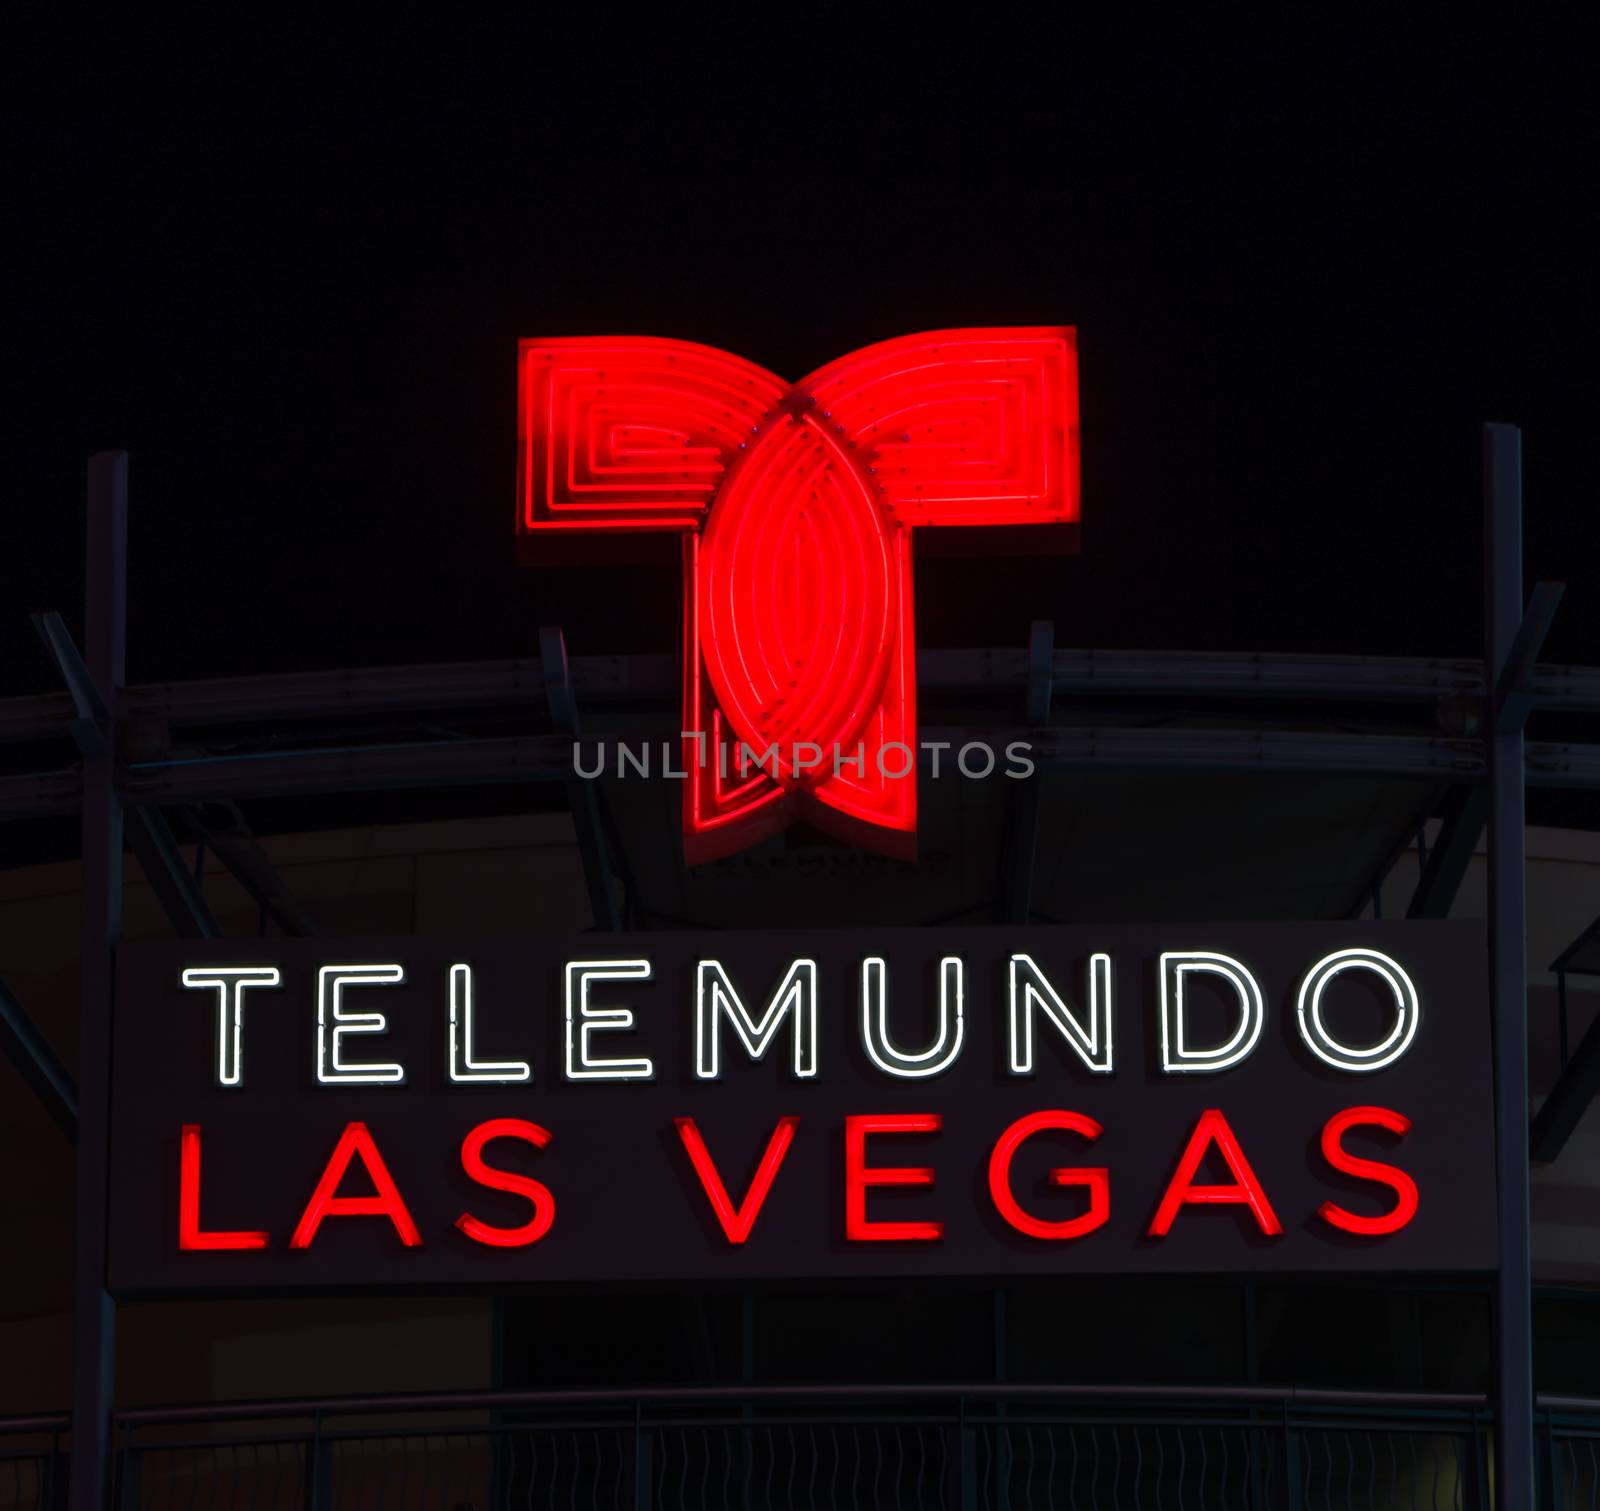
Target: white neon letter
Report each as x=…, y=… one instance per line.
x=1177, y=1056
x=1031, y=990
x=231, y=983
x=938, y=1056
x=462, y=1066
x=1321, y=1043
x=583, y=1020
x=335, y=1021
x=715, y=997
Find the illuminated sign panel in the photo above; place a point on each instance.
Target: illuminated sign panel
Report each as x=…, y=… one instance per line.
x=736, y=1106
x=796, y=502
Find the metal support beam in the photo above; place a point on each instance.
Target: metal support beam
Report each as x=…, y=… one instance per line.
x=42, y=794
x=1041, y=670
x=1575, y=1088
x=94, y=1312
x=584, y=796
x=1465, y=810
x=43, y=716
x=36, y=1062
x=90, y=726
x=244, y=860
x=91, y=731
x=1022, y=826
x=479, y=761
x=1578, y=1080
x=1561, y=1019
x=619, y=682
x=1505, y=631
x=169, y=875
x=1514, y=692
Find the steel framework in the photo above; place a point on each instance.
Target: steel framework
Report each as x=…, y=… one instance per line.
x=146, y=751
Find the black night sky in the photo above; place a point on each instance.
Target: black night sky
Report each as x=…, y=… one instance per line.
x=289, y=274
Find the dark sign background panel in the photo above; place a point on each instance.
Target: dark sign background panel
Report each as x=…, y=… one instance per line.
x=628, y=1205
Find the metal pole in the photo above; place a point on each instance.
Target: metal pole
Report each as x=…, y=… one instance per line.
x=1561, y=1021
x=1022, y=822
x=1508, y=975
x=1252, y=1373
x=1002, y=1433
x=36, y=1062
x=643, y=1477
x=94, y=1312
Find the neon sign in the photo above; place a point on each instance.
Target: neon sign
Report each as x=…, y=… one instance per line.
x=717, y=999
x=796, y=502
x=1307, y=1097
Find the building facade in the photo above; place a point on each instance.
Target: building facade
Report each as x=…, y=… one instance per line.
x=427, y=806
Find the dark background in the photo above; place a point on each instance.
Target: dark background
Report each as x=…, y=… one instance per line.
x=288, y=271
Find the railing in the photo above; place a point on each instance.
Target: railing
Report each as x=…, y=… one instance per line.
x=1571, y=1429
x=966, y=1448
x=33, y=1465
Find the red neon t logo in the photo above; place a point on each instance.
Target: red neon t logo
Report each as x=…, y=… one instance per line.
x=796, y=502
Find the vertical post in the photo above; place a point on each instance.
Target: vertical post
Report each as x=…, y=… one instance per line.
x=1252, y=1375
x=961, y=1462
x=1508, y=975
x=1475, y=1469
x=319, y=1469
x=1561, y=1015
x=94, y=1312
x=1002, y=1433
x=747, y=1374
x=1293, y=1474
x=583, y=794
x=1550, y=1487
x=1022, y=822
x=130, y=1480
x=56, y=1477
x=643, y=1474
x=499, y=1458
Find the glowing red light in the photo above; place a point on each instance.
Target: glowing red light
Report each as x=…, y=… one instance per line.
x=385, y=1201
x=1212, y=1131
x=1405, y=1189
x=536, y=1192
x=737, y=1224
x=797, y=501
x=1096, y=1180
x=858, y=1177
x=189, y=1233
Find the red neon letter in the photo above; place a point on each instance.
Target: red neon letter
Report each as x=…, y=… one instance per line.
x=385, y=1203
x=857, y=1177
x=544, y=1204
x=1405, y=1189
x=189, y=1234
x=1245, y=1191
x=737, y=1225
x=1095, y=1179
